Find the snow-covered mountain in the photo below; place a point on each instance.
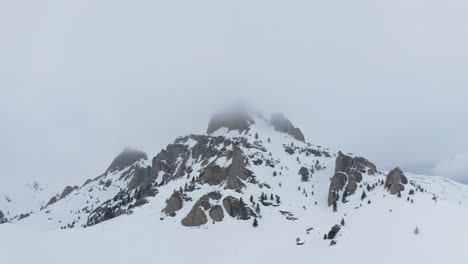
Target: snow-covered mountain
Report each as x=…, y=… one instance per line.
x=255, y=182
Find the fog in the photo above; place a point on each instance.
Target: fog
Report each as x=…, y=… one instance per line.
x=81, y=80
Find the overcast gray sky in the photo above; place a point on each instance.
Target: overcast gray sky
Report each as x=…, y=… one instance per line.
x=82, y=79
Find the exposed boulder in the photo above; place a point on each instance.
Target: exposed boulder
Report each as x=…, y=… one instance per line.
x=237, y=208
x=281, y=124
x=304, y=172
x=217, y=213
x=215, y=195
x=233, y=119
x=125, y=159
x=173, y=204
x=395, y=181
x=197, y=216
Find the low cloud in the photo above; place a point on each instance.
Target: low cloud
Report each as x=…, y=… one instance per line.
x=455, y=168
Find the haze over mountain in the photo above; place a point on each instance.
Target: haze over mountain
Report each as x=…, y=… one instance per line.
x=81, y=79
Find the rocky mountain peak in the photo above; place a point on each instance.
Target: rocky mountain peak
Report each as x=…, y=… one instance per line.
x=126, y=158
x=282, y=124
x=235, y=118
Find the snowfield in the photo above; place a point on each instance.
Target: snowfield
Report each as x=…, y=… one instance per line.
x=377, y=228
x=375, y=235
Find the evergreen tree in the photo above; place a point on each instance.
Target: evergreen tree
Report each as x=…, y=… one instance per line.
x=257, y=209
x=255, y=222
x=335, y=206
x=256, y=135
x=251, y=199
x=342, y=222
x=363, y=196
x=325, y=237
x=369, y=202
x=345, y=195
x=271, y=197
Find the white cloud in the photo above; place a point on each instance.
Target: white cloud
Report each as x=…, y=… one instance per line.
x=455, y=168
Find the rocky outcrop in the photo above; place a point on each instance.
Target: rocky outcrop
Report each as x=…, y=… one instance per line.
x=172, y=162
x=173, y=204
x=52, y=200
x=125, y=159
x=395, y=181
x=338, y=182
x=281, y=124
x=236, y=171
x=67, y=191
x=304, y=172
x=237, y=208
x=233, y=119
x=233, y=175
x=197, y=216
x=348, y=173
x=217, y=213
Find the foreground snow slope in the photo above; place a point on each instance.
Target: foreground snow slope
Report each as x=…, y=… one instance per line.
x=374, y=235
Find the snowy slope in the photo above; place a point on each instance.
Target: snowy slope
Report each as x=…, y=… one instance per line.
x=22, y=199
x=174, y=221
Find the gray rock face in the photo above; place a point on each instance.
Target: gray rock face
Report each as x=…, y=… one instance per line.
x=234, y=119
x=197, y=216
x=67, y=191
x=139, y=176
x=348, y=170
x=236, y=171
x=52, y=200
x=337, y=183
x=281, y=124
x=233, y=175
x=125, y=159
x=237, y=209
x=395, y=181
x=167, y=161
x=215, y=195
x=304, y=172
x=213, y=175
x=173, y=204
x=217, y=213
